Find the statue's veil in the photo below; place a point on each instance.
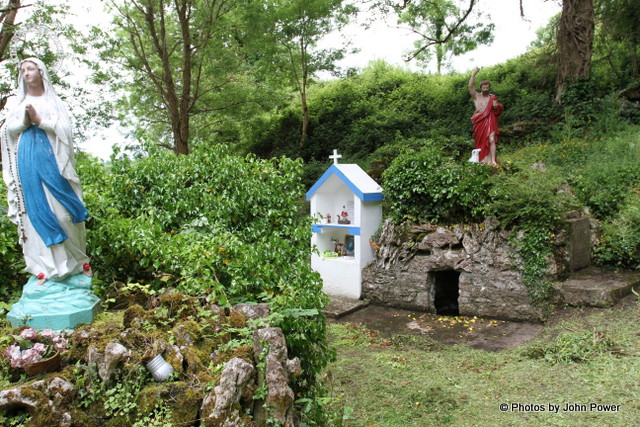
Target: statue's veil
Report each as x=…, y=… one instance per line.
x=49, y=92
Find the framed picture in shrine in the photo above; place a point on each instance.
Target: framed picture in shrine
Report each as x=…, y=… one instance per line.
x=349, y=245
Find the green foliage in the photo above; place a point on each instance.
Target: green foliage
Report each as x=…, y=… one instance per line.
x=18, y=417
x=12, y=264
x=530, y=198
x=289, y=35
x=116, y=398
x=211, y=224
x=445, y=28
x=572, y=347
x=534, y=202
x=364, y=112
x=534, y=249
x=617, y=40
x=159, y=417
x=603, y=171
x=427, y=186
x=620, y=241
x=120, y=399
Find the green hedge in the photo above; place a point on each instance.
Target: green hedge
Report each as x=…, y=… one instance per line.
x=425, y=185
x=216, y=225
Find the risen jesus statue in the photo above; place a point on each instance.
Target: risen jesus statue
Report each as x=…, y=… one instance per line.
x=485, y=119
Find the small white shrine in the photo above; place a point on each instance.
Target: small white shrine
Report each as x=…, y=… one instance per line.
x=347, y=206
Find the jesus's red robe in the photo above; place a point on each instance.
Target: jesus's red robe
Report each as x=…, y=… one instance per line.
x=485, y=123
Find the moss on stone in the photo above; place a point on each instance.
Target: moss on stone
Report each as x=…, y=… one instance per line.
x=190, y=328
x=159, y=332
x=237, y=320
x=180, y=305
x=132, y=313
x=194, y=360
x=121, y=421
x=182, y=399
x=81, y=417
x=245, y=352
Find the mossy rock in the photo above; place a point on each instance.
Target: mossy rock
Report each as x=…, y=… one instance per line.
x=82, y=417
x=120, y=421
x=138, y=341
x=132, y=313
x=187, y=333
x=183, y=401
x=98, y=334
x=180, y=305
x=195, y=361
x=244, y=352
x=237, y=320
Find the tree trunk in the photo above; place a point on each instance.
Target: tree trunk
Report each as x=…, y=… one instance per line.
x=575, y=43
x=304, y=80
x=7, y=17
x=305, y=120
x=181, y=135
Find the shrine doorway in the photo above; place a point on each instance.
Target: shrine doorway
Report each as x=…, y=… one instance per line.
x=446, y=287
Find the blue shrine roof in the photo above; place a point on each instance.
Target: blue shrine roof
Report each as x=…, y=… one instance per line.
x=356, y=179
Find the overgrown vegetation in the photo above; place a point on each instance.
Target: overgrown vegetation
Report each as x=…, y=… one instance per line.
x=211, y=224
x=426, y=186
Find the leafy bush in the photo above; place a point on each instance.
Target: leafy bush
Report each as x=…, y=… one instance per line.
x=212, y=224
x=427, y=186
x=12, y=265
x=608, y=173
x=530, y=198
x=534, y=248
x=620, y=242
x=535, y=202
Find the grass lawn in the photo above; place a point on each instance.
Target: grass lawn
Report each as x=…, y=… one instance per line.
x=581, y=357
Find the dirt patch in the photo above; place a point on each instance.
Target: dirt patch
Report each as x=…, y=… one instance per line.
x=480, y=333
x=484, y=334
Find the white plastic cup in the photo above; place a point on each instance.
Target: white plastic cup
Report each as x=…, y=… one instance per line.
x=159, y=368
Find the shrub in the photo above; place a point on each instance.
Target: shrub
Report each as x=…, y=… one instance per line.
x=12, y=265
x=609, y=172
x=427, y=186
x=216, y=225
x=620, y=242
x=530, y=198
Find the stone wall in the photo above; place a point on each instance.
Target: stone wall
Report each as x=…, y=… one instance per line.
x=410, y=261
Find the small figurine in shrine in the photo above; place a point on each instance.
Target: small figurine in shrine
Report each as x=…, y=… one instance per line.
x=344, y=216
x=328, y=218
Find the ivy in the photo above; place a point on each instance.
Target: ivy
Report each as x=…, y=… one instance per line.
x=534, y=249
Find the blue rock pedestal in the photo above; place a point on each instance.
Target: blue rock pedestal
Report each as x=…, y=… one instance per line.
x=58, y=305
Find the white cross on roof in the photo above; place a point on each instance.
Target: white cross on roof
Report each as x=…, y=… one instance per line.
x=335, y=157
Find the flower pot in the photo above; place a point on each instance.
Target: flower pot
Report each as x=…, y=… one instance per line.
x=51, y=364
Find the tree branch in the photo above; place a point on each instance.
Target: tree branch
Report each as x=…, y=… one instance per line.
x=450, y=31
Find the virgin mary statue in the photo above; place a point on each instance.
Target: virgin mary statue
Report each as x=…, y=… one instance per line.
x=43, y=189
x=44, y=198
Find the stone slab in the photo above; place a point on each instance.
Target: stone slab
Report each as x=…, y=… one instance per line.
x=597, y=288
x=341, y=306
x=579, y=243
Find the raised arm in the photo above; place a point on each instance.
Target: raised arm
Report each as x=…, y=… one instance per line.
x=472, y=83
